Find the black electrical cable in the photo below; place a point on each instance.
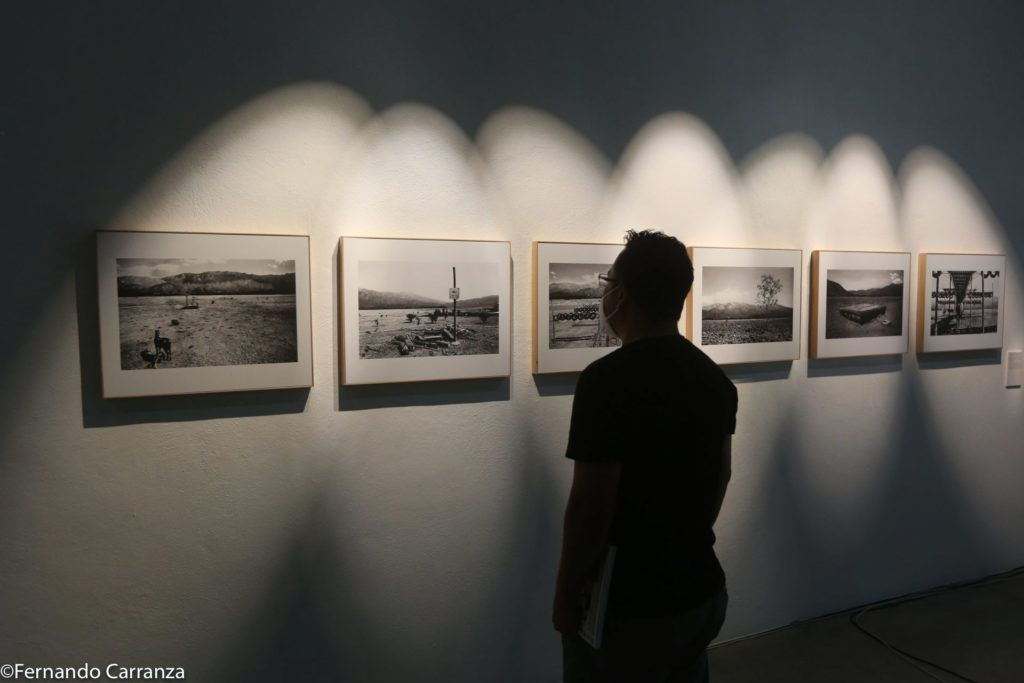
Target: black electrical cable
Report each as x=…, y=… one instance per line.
x=908, y=657
x=903, y=654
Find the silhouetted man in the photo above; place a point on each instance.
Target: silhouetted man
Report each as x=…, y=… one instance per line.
x=650, y=438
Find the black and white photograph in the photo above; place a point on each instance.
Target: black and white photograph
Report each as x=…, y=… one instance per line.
x=181, y=313
x=745, y=304
x=574, y=294
x=421, y=309
x=961, y=303
x=201, y=312
x=863, y=303
x=859, y=303
x=406, y=309
x=568, y=334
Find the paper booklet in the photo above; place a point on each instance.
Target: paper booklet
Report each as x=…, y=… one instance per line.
x=595, y=604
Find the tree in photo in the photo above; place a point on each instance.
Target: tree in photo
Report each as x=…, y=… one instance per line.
x=768, y=291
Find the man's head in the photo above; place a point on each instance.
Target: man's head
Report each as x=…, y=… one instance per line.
x=655, y=275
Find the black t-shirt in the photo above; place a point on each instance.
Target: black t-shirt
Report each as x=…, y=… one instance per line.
x=660, y=408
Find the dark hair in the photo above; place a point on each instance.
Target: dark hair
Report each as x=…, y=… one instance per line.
x=657, y=274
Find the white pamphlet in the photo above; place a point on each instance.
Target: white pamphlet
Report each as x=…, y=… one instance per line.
x=596, y=605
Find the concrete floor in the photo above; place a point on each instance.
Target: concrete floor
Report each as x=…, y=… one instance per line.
x=975, y=631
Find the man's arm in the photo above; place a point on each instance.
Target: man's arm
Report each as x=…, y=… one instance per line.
x=588, y=520
x=724, y=475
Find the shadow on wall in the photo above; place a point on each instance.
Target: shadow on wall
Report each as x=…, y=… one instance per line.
x=422, y=394
x=807, y=570
x=854, y=204
x=856, y=365
x=778, y=180
x=904, y=550
x=410, y=172
x=264, y=167
x=556, y=384
x=742, y=373
x=942, y=205
x=675, y=176
x=942, y=360
x=309, y=624
x=368, y=590
x=521, y=645
x=100, y=412
x=768, y=531
x=543, y=174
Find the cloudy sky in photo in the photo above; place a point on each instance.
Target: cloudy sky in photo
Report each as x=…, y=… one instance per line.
x=160, y=268
x=430, y=279
x=738, y=284
x=577, y=273
x=856, y=279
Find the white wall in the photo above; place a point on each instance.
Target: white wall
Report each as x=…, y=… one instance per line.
x=411, y=532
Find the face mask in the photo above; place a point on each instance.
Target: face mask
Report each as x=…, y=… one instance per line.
x=605, y=325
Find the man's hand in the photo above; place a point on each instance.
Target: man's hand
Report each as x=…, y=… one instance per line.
x=588, y=518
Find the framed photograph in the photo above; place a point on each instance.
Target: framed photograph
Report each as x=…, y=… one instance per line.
x=745, y=304
x=860, y=303
x=420, y=309
x=960, y=302
x=567, y=334
x=186, y=313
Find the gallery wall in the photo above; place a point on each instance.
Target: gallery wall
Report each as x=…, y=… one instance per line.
x=410, y=532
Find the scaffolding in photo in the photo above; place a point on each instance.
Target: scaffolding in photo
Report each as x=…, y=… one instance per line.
x=582, y=317
x=961, y=303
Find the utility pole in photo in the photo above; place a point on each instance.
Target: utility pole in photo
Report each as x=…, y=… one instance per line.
x=985, y=274
x=453, y=294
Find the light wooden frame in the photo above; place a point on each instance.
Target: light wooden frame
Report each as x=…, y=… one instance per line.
x=877, y=334
x=547, y=359
x=358, y=366
x=130, y=368
x=744, y=352
x=986, y=265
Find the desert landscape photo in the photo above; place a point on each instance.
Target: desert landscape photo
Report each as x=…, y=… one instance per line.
x=186, y=312
x=405, y=309
x=746, y=305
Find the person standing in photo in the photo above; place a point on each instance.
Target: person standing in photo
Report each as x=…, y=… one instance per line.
x=650, y=437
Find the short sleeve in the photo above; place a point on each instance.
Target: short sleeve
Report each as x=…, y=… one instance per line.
x=596, y=430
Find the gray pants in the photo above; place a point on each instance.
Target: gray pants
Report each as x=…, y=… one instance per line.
x=669, y=649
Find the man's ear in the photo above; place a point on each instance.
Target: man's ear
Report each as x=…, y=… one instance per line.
x=621, y=296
